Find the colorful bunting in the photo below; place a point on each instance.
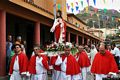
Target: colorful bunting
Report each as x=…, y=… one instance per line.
x=113, y=18
x=94, y=2
x=113, y=11
x=77, y=3
x=59, y=6
x=95, y=9
x=88, y=2
x=105, y=10
x=82, y=3
x=86, y=9
x=54, y=5
x=68, y=7
x=72, y=9
x=67, y=4
x=72, y=5
x=77, y=7
x=104, y=1
x=97, y=15
x=79, y=11
x=112, y=0
x=91, y=14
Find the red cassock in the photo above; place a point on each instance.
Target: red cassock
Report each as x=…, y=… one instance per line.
x=103, y=64
x=32, y=64
x=72, y=67
x=52, y=62
x=83, y=59
x=23, y=63
x=57, y=31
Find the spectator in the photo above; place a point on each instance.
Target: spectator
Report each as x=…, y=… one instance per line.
x=8, y=51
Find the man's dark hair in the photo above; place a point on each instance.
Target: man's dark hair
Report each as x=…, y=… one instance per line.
x=113, y=44
x=18, y=45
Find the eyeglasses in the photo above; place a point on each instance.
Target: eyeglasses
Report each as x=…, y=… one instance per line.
x=17, y=47
x=35, y=49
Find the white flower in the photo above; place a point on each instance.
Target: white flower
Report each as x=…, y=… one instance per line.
x=69, y=44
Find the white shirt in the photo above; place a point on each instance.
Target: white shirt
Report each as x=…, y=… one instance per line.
x=116, y=51
x=16, y=64
x=39, y=66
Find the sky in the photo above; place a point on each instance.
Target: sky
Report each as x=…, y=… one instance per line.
x=108, y=4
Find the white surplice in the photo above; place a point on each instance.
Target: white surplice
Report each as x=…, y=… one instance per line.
x=41, y=72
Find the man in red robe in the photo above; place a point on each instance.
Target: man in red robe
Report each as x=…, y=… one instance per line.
x=59, y=28
x=18, y=65
x=69, y=67
x=103, y=63
x=38, y=65
x=83, y=62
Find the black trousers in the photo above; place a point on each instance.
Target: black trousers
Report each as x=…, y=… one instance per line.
x=117, y=60
x=111, y=79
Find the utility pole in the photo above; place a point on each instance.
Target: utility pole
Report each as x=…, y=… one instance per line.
x=99, y=24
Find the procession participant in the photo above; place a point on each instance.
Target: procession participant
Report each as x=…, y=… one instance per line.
x=19, y=41
x=40, y=50
x=93, y=52
x=103, y=63
x=56, y=68
x=83, y=62
x=116, y=53
x=59, y=28
x=38, y=65
x=69, y=67
x=18, y=65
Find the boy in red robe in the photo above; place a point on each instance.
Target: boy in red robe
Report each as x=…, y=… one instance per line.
x=83, y=62
x=103, y=63
x=18, y=65
x=38, y=65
